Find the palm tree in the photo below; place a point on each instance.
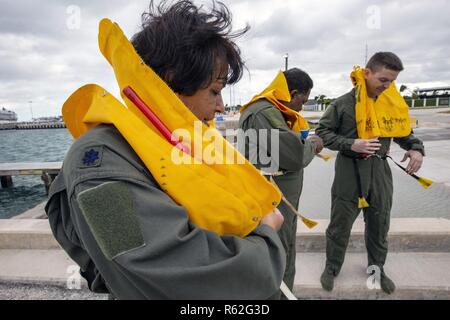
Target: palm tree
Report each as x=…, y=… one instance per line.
x=322, y=100
x=414, y=93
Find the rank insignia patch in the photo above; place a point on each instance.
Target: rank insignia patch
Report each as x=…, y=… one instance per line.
x=92, y=157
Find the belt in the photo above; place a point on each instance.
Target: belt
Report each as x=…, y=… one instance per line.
x=365, y=156
x=362, y=202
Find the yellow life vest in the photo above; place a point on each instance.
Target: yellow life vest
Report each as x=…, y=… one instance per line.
x=388, y=116
x=228, y=199
x=276, y=92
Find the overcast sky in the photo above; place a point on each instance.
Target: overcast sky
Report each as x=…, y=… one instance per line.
x=49, y=48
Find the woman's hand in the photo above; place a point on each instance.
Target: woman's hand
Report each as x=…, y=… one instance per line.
x=274, y=219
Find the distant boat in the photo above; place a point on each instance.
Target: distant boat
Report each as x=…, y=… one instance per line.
x=7, y=116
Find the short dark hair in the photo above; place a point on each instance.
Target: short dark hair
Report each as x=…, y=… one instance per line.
x=183, y=44
x=387, y=60
x=298, y=80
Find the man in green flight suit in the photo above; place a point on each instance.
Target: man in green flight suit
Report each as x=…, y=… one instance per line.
x=109, y=213
x=339, y=132
x=294, y=153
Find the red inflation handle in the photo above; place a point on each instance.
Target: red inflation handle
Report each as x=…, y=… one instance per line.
x=153, y=118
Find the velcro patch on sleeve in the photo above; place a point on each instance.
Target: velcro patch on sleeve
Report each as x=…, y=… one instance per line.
x=109, y=212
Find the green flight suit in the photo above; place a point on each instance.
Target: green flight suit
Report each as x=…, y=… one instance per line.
x=295, y=153
x=337, y=128
x=131, y=239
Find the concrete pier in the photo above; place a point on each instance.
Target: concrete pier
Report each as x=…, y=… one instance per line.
x=417, y=262
x=47, y=170
x=32, y=125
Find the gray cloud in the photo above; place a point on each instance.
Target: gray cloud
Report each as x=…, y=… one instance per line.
x=326, y=38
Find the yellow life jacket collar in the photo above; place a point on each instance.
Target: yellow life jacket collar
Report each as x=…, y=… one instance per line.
x=277, y=93
x=388, y=116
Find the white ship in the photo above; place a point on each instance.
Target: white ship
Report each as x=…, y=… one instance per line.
x=7, y=116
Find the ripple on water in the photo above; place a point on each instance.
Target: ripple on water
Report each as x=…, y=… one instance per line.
x=46, y=145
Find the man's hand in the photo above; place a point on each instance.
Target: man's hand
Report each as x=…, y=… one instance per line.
x=318, y=143
x=274, y=219
x=415, y=161
x=368, y=146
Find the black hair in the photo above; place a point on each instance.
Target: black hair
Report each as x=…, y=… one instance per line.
x=387, y=60
x=184, y=44
x=298, y=80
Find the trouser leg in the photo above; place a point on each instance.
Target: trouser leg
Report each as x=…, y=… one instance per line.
x=343, y=215
x=376, y=230
x=287, y=234
x=289, y=185
x=377, y=218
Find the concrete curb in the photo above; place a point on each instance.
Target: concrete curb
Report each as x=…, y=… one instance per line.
x=26, y=234
x=405, y=235
x=38, y=212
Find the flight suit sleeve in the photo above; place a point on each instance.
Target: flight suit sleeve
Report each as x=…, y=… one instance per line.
x=328, y=130
x=291, y=146
x=146, y=246
x=309, y=152
x=58, y=213
x=411, y=142
x=167, y=257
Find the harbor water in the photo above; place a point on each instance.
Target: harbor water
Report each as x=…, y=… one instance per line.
x=44, y=145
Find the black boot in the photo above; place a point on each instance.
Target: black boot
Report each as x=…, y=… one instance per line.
x=327, y=279
x=387, y=285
